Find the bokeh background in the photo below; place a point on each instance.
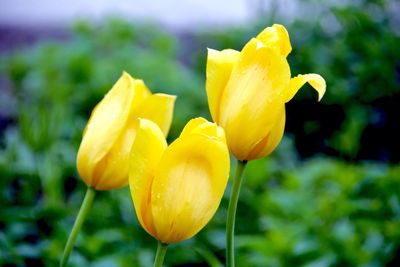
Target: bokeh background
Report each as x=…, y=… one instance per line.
x=328, y=196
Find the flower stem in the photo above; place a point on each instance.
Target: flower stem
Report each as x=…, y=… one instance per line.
x=161, y=250
x=85, y=207
x=230, y=221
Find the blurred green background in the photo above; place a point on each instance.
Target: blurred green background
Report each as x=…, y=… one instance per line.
x=328, y=196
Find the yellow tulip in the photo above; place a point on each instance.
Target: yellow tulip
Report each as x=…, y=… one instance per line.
x=103, y=155
x=176, y=189
x=247, y=92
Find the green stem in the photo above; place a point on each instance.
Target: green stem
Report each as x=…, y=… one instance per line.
x=230, y=221
x=85, y=207
x=161, y=250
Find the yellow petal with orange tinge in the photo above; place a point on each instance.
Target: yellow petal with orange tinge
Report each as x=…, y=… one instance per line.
x=158, y=108
x=253, y=96
x=277, y=38
x=147, y=150
x=271, y=140
x=315, y=80
x=112, y=112
x=188, y=185
x=219, y=68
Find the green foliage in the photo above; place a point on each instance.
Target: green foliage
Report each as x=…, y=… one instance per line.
x=322, y=213
x=319, y=211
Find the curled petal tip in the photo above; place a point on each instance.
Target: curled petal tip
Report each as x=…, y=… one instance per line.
x=315, y=80
x=322, y=90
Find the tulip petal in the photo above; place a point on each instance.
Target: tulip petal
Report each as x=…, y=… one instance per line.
x=271, y=140
x=203, y=127
x=147, y=150
x=253, y=97
x=104, y=126
x=112, y=169
x=141, y=93
x=277, y=38
x=192, y=125
x=189, y=184
x=219, y=68
x=158, y=108
x=315, y=80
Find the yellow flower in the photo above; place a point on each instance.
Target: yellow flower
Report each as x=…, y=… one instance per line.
x=247, y=92
x=103, y=155
x=177, y=189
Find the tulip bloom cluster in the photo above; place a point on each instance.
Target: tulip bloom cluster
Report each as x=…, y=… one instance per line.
x=176, y=189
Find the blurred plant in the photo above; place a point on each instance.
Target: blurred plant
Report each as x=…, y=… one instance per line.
x=317, y=211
